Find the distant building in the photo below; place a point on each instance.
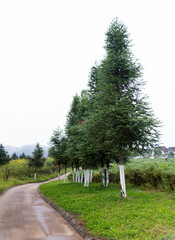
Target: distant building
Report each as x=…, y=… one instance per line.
x=166, y=151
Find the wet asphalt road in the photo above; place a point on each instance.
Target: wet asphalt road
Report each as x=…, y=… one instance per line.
x=25, y=216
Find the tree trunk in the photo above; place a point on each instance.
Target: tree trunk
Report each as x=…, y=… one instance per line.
x=76, y=180
x=103, y=176
x=65, y=175
x=82, y=176
x=88, y=177
x=78, y=176
x=91, y=175
x=59, y=174
x=35, y=173
x=122, y=176
x=73, y=173
x=107, y=174
x=73, y=176
x=85, y=176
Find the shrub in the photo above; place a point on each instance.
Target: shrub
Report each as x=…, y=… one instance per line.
x=6, y=172
x=49, y=162
x=153, y=176
x=19, y=167
x=135, y=176
x=169, y=180
x=150, y=177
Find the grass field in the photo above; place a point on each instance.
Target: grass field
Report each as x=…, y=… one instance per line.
x=144, y=214
x=13, y=181
x=166, y=165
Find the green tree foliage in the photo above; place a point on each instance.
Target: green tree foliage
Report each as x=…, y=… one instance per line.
x=121, y=120
x=76, y=118
x=112, y=119
x=171, y=154
x=55, y=150
x=4, y=157
x=14, y=156
x=158, y=152
x=122, y=112
x=22, y=156
x=37, y=160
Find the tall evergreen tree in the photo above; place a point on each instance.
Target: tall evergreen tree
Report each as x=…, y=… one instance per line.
x=22, y=156
x=55, y=150
x=37, y=160
x=14, y=156
x=126, y=122
x=76, y=117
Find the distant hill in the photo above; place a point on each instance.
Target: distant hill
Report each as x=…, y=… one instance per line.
x=26, y=149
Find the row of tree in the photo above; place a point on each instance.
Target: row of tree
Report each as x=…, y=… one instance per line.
x=112, y=118
x=5, y=158
x=36, y=160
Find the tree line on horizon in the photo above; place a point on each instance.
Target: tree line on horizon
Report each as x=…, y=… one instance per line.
x=111, y=119
x=5, y=157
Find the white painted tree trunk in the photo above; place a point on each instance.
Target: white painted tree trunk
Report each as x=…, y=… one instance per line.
x=58, y=178
x=85, y=176
x=65, y=177
x=82, y=176
x=78, y=176
x=103, y=176
x=73, y=176
x=34, y=175
x=91, y=175
x=107, y=177
x=122, y=180
x=88, y=175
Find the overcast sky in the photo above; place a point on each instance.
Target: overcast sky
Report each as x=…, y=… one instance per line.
x=47, y=48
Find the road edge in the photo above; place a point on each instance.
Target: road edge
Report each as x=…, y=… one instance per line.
x=71, y=220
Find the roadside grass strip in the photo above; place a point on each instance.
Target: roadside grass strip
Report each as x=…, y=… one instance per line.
x=14, y=181
x=144, y=214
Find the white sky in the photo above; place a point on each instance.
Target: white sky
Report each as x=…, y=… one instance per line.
x=47, y=48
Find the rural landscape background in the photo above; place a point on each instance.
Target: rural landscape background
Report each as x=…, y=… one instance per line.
x=87, y=103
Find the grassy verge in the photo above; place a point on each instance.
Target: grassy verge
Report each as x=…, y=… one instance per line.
x=143, y=215
x=13, y=181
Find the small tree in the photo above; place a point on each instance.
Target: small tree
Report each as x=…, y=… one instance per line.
x=37, y=160
x=14, y=156
x=55, y=149
x=22, y=156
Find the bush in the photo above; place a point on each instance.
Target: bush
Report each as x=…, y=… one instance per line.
x=153, y=176
x=49, y=162
x=19, y=167
x=169, y=180
x=135, y=176
x=6, y=172
x=97, y=178
x=150, y=177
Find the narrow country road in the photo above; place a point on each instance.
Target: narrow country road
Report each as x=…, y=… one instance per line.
x=25, y=216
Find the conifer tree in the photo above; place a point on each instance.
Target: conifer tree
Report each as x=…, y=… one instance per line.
x=55, y=149
x=121, y=120
x=37, y=160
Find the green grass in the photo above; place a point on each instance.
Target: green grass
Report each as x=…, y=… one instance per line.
x=13, y=181
x=17, y=181
x=142, y=215
x=166, y=165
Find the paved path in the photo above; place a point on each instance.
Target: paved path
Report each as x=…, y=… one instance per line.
x=25, y=216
